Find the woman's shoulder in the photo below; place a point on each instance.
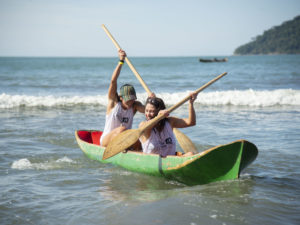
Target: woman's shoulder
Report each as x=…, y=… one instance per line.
x=171, y=120
x=111, y=105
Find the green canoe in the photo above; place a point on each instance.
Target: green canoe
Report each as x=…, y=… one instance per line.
x=223, y=162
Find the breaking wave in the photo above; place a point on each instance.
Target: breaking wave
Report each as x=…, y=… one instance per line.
x=249, y=97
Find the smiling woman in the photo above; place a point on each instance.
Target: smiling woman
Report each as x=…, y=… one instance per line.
x=159, y=138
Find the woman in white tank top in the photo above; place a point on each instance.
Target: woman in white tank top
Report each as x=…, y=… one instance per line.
x=120, y=108
x=160, y=139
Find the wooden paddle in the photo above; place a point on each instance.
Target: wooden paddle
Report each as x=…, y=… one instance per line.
x=127, y=138
x=127, y=60
x=184, y=141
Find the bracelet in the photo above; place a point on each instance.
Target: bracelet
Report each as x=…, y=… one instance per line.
x=121, y=62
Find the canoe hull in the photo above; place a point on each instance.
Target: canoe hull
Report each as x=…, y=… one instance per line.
x=224, y=162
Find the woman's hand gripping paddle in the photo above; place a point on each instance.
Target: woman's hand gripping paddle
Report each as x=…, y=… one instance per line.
x=127, y=138
x=184, y=141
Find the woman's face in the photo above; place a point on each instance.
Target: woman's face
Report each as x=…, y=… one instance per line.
x=150, y=111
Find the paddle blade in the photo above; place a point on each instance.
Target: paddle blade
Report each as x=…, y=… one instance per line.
x=121, y=142
x=185, y=142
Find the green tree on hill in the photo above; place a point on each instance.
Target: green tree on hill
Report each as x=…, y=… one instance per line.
x=283, y=39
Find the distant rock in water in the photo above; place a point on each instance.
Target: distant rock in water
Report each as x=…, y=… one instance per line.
x=283, y=39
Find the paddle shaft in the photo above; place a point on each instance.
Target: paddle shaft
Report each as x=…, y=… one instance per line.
x=197, y=91
x=161, y=116
x=127, y=61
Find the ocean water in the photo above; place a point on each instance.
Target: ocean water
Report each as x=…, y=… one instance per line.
x=46, y=179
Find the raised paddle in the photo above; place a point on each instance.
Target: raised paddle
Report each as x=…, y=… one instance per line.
x=184, y=141
x=127, y=60
x=127, y=138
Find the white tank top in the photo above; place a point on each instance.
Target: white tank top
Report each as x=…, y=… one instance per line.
x=162, y=143
x=117, y=117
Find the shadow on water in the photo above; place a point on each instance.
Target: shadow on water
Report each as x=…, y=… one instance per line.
x=124, y=185
x=153, y=200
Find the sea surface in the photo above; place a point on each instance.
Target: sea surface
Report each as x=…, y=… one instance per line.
x=46, y=179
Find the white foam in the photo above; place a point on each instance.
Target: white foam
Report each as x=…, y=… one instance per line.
x=22, y=164
x=241, y=98
x=65, y=159
x=213, y=216
x=251, y=98
x=25, y=164
x=11, y=101
x=216, y=98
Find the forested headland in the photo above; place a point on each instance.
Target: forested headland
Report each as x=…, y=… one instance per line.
x=282, y=39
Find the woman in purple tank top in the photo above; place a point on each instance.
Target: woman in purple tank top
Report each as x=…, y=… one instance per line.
x=159, y=138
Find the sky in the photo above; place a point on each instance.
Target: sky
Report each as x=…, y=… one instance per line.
x=142, y=28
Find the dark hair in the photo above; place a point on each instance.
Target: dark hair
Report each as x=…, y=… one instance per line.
x=118, y=97
x=159, y=104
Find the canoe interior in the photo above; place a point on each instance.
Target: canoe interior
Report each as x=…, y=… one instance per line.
x=92, y=137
